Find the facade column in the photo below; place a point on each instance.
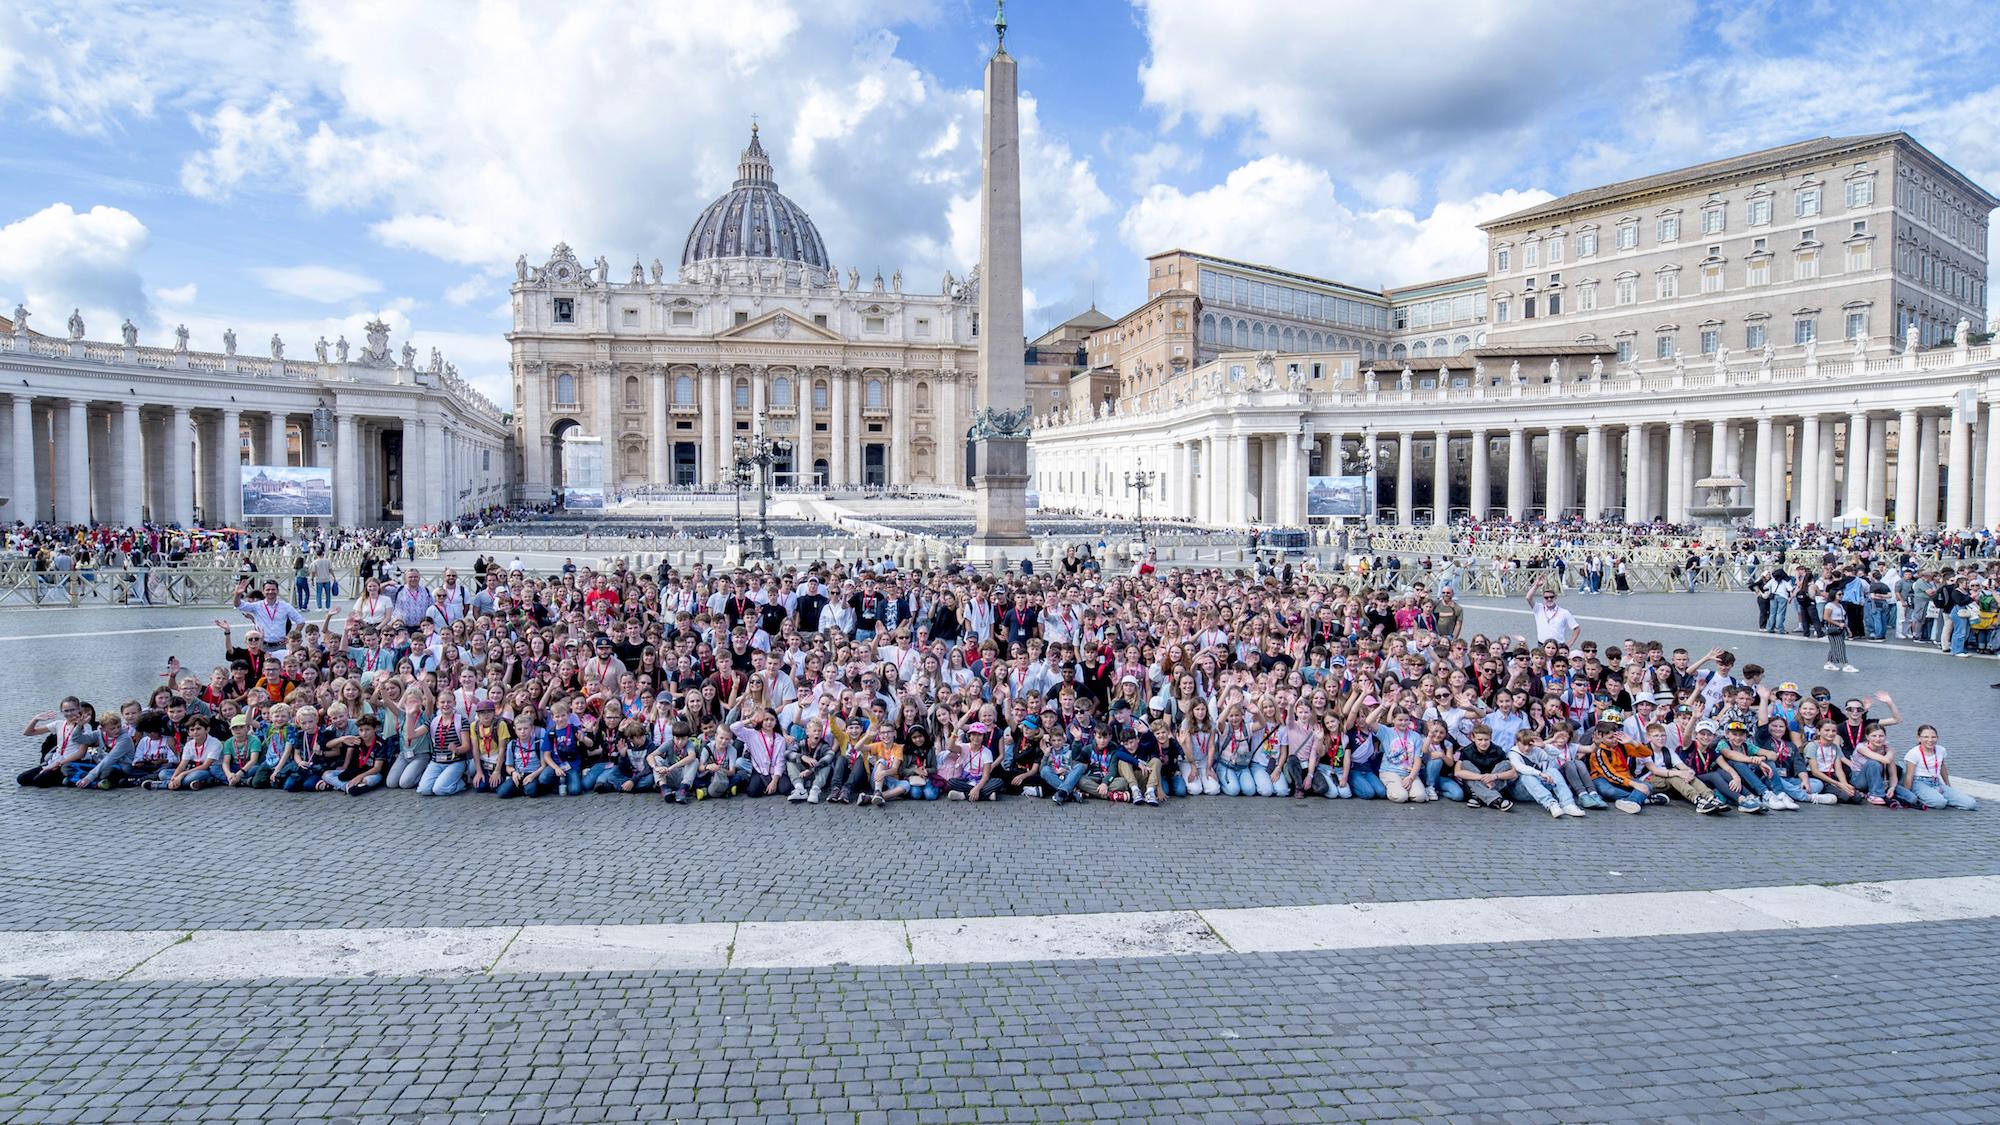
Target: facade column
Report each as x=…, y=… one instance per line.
x=274, y=440
x=899, y=428
x=1482, y=481
x=1760, y=494
x=21, y=501
x=416, y=485
x=1406, y=471
x=1594, y=476
x=1829, y=490
x=1718, y=449
x=1807, y=475
x=1907, y=443
x=857, y=425
x=1559, y=474
x=836, y=427
x=1958, y=477
x=131, y=467
x=180, y=454
x=1677, y=472
x=658, y=442
x=1290, y=481
x=73, y=501
x=346, y=470
x=1927, y=469
x=1520, y=483
x=1635, y=474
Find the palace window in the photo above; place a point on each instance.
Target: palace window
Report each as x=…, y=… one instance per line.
x=1805, y=204
x=1753, y=335
x=683, y=390
x=1663, y=346
x=1669, y=229
x=1805, y=330
x=1628, y=235
x=1712, y=219
x=1531, y=253
x=1586, y=244
x=1586, y=298
x=1760, y=212
x=1857, y=324
x=1625, y=291
x=1554, y=246
x=1711, y=279
x=1711, y=338
x=1624, y=351
x=1666, y=285
x=1757, y=273
x=1860, y=193
x=1805, y=265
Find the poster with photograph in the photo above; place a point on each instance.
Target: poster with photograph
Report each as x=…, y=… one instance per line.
x=288, y=490
x=1337, y=496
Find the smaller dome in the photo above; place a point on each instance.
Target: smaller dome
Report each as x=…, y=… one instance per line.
x=755, y=220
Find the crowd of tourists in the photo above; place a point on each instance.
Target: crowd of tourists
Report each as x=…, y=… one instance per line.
x=872, y=686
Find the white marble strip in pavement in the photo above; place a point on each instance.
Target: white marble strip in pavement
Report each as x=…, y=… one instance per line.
x=1860, y=646
x=109, y=633
x=212, y=955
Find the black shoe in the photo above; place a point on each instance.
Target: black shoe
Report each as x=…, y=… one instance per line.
x=1474, y=803
x=1505, y=805
x=1657, y=799
x=1060, y=798
x=681, y=798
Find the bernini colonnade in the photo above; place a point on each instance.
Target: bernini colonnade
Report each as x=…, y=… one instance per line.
x=1912, y=438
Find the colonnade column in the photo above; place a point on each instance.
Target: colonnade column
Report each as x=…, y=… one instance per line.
x=131, y=467
x=229, y=463
x=1481, y=480
x=1406, y=471
x=1878, y=466
x=180, y=456
x=1760, y=495
x=1907, y=444
x=346, y=470
x=658, y=442
x=73, y=503
x=1677, y=472
x=1927, y=468
x=1559, y=474
x=1807, y=475
x=1635, y=474
x=1593, y=472
x=274, y=439
x=1991, y=516
x=1855, y=493
x=1441, y=479
x=22, y=502
x=1520, y=489
x=1718, y=449
x=1238, y=461
x=1958, y=478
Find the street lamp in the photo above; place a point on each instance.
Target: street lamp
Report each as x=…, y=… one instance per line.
x=755, y=455
x=1139, y=482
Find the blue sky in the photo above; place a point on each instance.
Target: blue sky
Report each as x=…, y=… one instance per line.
x=301, y=168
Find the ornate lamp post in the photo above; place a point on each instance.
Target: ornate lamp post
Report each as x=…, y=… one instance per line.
x=1139, y=483
x=754, y=457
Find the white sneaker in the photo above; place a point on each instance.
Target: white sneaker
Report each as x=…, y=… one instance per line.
x=1825, y=799
x=798, y=796
x=1784, y=802
x=1031, y=791
x=1572, y=810
x=954, y=795
x=1430, y=793
x=812, y=798
x=1852, y=668
x=1627, y=806
x=1556, y=811
x=1831, y=666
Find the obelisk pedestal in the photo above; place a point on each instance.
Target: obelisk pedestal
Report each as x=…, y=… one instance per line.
x=1000, y=426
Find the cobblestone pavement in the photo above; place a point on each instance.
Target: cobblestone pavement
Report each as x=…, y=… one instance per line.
x=1589, y=1031
x=136, y=860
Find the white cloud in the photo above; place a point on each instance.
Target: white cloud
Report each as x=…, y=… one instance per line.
x=1286, y=213
x=177, y=295
x=59, y=259
x=1477, y=70
x=316, y=283
x=530, y=133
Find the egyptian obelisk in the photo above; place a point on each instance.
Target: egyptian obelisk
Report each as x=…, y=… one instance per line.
x=1000, y=428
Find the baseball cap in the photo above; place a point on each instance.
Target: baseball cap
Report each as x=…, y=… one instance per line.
x=485, y=705
x=1706, y=725
x=240, y=721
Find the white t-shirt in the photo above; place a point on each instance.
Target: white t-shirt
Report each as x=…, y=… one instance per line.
x=1928, y=766
x=1554, y=623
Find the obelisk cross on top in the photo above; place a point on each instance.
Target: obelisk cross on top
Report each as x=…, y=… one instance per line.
x=1000, y=429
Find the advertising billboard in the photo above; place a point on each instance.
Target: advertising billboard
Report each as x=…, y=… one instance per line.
x=1336, y=496
x=286, y=490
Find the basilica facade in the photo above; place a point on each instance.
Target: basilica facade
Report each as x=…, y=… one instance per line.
x=756, y=330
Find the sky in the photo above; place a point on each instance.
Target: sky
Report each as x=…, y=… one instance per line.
x=301, y=168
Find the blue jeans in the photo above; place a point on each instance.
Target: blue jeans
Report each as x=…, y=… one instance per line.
x=442, y=779
x=1547, y=794
x=1447, y=788
x=202, y=778
x=1367, y=785
x=1932, y=794
x=1238, y=781
x=1064, y=779
x=1754, y=781
x=1774, y=621
x=1867, y=775
x=1960, y=627
x=1176, y=785
x=1639, y=791
x=1326, y=781
x=604, y=777
x=1877, y=616
x=323, y=594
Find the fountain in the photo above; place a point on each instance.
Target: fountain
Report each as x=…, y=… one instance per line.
x=1722, y=510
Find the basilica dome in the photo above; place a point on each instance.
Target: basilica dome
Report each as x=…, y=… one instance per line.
x=755, y=220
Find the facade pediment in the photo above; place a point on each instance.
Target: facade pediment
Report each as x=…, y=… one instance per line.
x=779, y=325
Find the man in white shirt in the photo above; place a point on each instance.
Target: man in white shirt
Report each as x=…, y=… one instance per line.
x=1552, y=622
x=273, y=616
